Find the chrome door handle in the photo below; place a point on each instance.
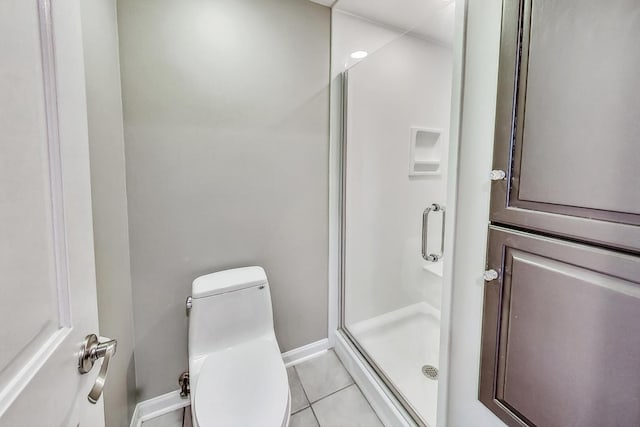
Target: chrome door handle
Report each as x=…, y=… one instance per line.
x=425, y=223
x=92, y=350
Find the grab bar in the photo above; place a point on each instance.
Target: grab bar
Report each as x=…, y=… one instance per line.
x=425, y=223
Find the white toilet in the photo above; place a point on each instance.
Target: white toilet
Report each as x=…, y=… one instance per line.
x=237, y=376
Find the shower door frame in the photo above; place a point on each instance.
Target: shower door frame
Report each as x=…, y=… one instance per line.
x=458, y=52
x=337, y=323
x=344, y=85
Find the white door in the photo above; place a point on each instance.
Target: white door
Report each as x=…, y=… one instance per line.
x=47, y=290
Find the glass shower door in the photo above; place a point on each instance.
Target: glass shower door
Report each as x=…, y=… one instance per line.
x=396, y=123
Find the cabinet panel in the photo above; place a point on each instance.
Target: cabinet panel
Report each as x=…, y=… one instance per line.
x=560, y=337
x=566, y=125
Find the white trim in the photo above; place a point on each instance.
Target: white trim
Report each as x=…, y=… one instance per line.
x=160, y=405
x=23, y=375
x=335, y=197
x=457, y=93
x=135, y=418
x=55, y=164
x=157, y=407
x=388, y=409
x=477, y=131
x=306, y=352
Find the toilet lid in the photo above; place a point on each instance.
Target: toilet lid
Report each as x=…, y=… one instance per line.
x=244, y=386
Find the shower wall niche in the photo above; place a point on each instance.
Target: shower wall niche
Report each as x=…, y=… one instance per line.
x=425, y=152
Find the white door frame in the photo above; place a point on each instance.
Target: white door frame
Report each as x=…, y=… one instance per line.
x=469, y=240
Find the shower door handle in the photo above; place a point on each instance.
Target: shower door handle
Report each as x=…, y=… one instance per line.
x=425, y=238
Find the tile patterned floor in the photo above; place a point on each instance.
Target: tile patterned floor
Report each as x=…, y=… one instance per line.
x=324, y=395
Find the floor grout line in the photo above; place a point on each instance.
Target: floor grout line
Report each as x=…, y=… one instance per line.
x=313, y=412
x=332, y=393
x=303, y=391
x=306, y=397
x=352, y=383
x=315, y=416
x=369, y=403
x=300, y=410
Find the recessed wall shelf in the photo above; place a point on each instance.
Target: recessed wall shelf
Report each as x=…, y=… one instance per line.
x=425, y=151
x=435, y=268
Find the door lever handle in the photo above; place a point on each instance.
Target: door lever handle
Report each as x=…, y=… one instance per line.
x=92, y=350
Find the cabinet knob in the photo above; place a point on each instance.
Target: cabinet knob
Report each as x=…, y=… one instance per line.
x=497, y=175
x=490, y=275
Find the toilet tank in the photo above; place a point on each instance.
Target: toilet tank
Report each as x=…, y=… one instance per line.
x=229, y=308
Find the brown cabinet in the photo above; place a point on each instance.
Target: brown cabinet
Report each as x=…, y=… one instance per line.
x=568, y=120
x=561, y=333
x=561, y=323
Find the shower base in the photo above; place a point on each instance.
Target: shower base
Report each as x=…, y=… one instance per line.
x=401, y=343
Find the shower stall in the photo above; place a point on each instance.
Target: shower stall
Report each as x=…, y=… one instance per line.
x=395, y=72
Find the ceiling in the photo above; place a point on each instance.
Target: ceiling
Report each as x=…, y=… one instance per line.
x=327, y=3
x=432, y=19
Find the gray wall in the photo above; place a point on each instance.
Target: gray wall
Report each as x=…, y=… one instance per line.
x=226, y=111
x=109, y=199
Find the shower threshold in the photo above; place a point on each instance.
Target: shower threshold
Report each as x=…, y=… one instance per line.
x=401, y=343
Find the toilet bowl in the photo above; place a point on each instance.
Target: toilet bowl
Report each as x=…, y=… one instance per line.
x=237, y=375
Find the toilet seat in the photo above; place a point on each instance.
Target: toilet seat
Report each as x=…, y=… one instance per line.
x=243, y=386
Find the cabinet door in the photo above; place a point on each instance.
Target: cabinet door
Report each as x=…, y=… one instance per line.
x=568, y=120
x=560, y=334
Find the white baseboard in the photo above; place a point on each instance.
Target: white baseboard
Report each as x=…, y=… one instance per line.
x=158, y=406
x=374, y=390
x=300, y=354
x=172, y=401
